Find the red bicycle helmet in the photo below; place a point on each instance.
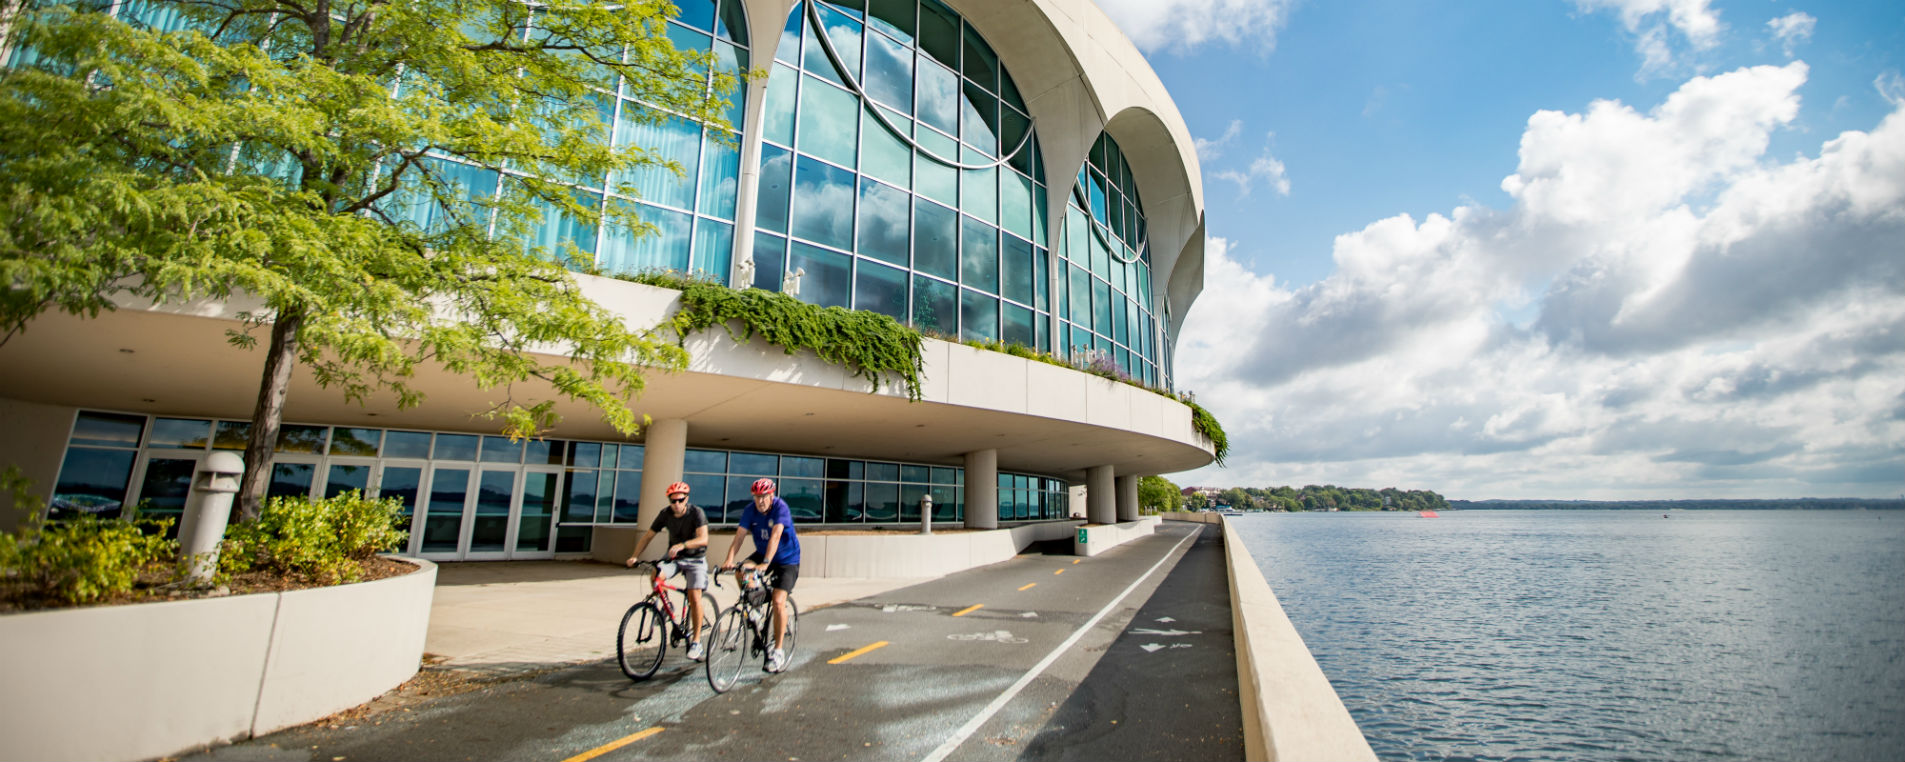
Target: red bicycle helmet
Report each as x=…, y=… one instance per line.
x=763, y=486
x=678, y=488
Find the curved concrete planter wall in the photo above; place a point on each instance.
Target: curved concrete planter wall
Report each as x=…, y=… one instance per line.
x=153, y=679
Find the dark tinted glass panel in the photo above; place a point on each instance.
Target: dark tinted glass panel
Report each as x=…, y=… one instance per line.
x=935, y=232
x=732, y=23
x=806, y=497
x=894, y=17
x=1016, y=326
x=739, y=499
x=885, y=217
x=935, y=306
x=231, y=435
x=705, y=461
x=705, y=491
x=443, y=521
x=981, y=65
x=490, y=530
x=586, y=454
x=406, y=444
x=631, y=456
x=456, y=447
x=628, y=497
x=187, y=433
x=828, y=278
x=777, y=169
x=539, y=506
x=162, y=493
x=844, y=502
x=581, y=504
x=882, y=501
x=543, y=452
x=401, y=482
x=845, y=469
x=915, y=473
x=946, y=503
x=574, y=539
x=345, y=478
x=979, y=120
x=945, y=475
x=978, y=315
x=823, y=204
x=362, y=442
x=92, y=482
x=754, y=464
x=939, y=32
x=605, y=494
x=979, y=255
x=291, y=480
x=792, y=466
x=501, y=450
x=108, y=429
x=880, y=289
x=910, y=497
x=696, y=13
x=883, y=472
x=1016, y=265
x=770, y=257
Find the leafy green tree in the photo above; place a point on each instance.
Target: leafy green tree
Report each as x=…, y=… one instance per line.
x=1156, y=493
x=368, y=172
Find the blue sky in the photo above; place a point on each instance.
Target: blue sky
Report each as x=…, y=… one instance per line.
x=1547, y=248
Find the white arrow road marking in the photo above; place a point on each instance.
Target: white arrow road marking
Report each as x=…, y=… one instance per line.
x=833, y=627
x=1151, y=648
x=893, y=607
x=1166, y=633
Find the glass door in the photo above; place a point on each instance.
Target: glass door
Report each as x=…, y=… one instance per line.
x=535, y=521
x=442, y=530
x=404, y=481
x=489, y=514
x=165, y=486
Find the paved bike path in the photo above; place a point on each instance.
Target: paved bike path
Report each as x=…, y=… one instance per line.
x=1082, y=672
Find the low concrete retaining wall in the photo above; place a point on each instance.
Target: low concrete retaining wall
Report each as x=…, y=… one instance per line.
x=155, y=679
x=869, y=554
x=1291, y=712
x=1091, y=540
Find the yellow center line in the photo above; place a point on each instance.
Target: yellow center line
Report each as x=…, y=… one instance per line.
x=1059, y=571
x=612, y=745
x=856, y=652
x=1028, y=587
x=969, y=609
x=1076, y=560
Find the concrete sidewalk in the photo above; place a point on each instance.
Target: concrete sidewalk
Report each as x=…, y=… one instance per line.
x=521, y=616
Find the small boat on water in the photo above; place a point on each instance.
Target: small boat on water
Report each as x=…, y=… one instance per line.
x=1428, y=515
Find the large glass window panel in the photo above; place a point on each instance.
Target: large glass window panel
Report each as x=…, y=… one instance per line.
x=883, y=155
x=844, y=32
x=823, y=204
x=1100, y=308
x=935, y=239
x=885, y=220
x=793, y=466
x=705, y=461
x=696, y=13
x=1080, y=295
x=342, y=478
x=539, y=505
x=720, y=179
x=1016, y=269
x=1117, y=275
x=1076, y=232
x=490, y=530
x=829, y=275
x=401, y=482
x=939, y=32
x=407, y=444
x=1016, y=326
x=979, y=120
x=92, y=482
x=740, y=498
x=291, y=480
x=979, y=255
x=630, y=456
x=883, y=472
x=894, y=17
x=714, y=249
x=690, y=40
x=1012, y=129
x=1040, y=278
x=979, y=316
x=628, y=497
x=1120, y=331
x=889, y=77
x=931, y=178
x=732, y=21
x=108, y=429
x=705, y=491
x=980, y=64
x=880, y=289
x=605, y=495
x=778, y=121
x=770, y=259
x=1015, y=205
x=829, y=122
x=1043, y=327
x=935, y=306
x=806, y=498
x=777, y=184
x=185, y=433
x=663, y=248
x=882, y=502
x=462, y=196
x=456, y=447
x=979, y=192
x=789, y=48
x=361, y=442
x=557, y=227
x=501, y=450
x=845, y=502
x=754, y=464
x=305, y=440
x=733, y=61
x=443, y=519
x=580, y=506
x=936, y=94
x=1095, y=188
x=664, y=138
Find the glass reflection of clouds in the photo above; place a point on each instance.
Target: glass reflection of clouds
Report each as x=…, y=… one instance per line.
x=1107, y=308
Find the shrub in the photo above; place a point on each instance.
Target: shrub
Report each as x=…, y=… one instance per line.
x=324, y=541
x=80, y=560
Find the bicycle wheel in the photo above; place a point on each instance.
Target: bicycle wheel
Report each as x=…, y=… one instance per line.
x=727, y=649
x=642, y=640
x=793, y=627
x=710, y=611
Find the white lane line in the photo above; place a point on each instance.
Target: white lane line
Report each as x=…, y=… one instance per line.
x=972, y=726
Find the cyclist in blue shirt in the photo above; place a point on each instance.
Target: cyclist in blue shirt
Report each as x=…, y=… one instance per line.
x=777, y=547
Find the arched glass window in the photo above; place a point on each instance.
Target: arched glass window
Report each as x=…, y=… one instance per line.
x=1105, y=308
x=898, y=171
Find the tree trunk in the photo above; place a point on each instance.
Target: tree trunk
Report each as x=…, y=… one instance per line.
x=268, y=416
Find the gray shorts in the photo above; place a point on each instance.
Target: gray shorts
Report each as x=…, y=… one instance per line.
x=694, y=573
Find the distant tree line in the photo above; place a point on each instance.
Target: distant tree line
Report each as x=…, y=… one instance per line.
x=1320, y=498
x=1798, y=504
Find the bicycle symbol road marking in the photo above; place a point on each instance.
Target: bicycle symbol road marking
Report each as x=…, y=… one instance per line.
x=996, y=636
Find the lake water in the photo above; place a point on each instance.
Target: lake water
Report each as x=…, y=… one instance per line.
x=1566, y=635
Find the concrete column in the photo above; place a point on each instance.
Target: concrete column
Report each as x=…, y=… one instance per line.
x=1127, y=498
x=663, y=451
x=1101, y=498
x=982, y=489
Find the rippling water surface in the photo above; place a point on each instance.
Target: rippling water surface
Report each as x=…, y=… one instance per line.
x=1737, y=635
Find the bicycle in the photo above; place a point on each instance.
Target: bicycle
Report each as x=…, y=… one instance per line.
x=656, y=622
x=746, y=631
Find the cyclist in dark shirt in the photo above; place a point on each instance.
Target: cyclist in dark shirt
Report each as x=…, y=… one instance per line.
x=688, y=547
x=776, y=546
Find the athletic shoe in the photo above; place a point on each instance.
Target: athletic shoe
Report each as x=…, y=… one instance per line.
x=776, y=661
x=694, y=651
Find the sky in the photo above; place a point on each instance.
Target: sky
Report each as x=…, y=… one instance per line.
x=1567, y=249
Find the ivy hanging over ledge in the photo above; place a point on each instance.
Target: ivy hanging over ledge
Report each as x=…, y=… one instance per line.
x=872, y=345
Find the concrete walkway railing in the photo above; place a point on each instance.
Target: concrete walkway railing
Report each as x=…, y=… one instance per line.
x=151, y=679
x=1291, y=712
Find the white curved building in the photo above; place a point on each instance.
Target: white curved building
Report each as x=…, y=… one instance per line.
x=1009, y=170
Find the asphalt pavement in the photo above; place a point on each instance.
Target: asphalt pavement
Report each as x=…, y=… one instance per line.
x=1125, y=655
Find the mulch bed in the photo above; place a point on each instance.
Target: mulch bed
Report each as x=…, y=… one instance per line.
x=153, y=586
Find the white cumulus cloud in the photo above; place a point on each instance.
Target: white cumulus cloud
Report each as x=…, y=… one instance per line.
x=1658, y=26
x=1186, y=24
x=1709, y=321
x=1791, y=30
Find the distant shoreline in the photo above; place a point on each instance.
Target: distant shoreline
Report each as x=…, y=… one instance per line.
x=1791, y=504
